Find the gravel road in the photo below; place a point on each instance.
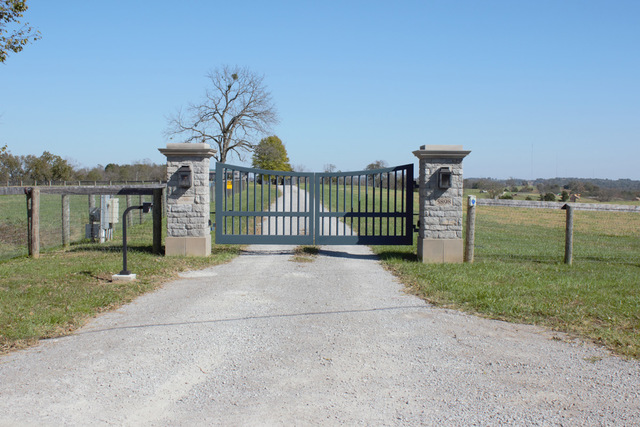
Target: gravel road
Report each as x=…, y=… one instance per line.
x=265, y=340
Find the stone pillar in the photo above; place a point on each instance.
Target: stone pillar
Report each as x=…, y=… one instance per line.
x=440, y=185
x=188, y=207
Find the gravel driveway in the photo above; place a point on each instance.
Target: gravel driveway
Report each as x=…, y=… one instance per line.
x=264, y=340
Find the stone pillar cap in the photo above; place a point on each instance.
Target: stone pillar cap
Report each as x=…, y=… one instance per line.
x=188, y=149
x=441, y=151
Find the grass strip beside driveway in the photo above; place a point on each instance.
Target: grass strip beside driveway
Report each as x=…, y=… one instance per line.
x=519, y=275
x=57, y=293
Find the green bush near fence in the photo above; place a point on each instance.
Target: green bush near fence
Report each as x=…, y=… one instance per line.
x=519, y=275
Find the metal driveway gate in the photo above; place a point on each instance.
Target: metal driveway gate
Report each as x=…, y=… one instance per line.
x=255, y=206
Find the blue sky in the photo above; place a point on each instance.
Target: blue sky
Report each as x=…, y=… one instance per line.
x=533, y=88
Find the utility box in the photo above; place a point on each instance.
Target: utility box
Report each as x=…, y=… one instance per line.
x=109, y=207
x=113, y=209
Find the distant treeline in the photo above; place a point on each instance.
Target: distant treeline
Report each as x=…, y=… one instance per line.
x=51, y=167
x=597, y=188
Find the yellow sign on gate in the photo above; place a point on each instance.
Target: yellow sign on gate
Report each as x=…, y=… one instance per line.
x=229, y=185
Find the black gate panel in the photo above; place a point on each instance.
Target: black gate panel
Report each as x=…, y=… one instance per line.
x=255, y=206
x=373, y=207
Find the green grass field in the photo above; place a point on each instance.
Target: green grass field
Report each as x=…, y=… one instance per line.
x=519, y=275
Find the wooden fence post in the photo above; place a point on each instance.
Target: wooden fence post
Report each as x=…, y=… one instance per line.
x=157, y=220
x=471, y=230
x=33, y=221
x=66, y=223
x=568, y=244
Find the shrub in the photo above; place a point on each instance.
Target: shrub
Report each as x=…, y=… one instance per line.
x=548, y=197
x=506, y=197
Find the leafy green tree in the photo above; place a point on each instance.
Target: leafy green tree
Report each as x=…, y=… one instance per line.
x=61, y=170
x=11, y=167
x=47, y=167
x=270, y=154
x=14, y=40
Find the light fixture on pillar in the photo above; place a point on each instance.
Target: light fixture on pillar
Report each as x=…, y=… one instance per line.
x=184, y=177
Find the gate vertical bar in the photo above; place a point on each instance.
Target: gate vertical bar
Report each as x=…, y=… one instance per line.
x=380, y=183
x=402, y=188
x=409, y=217
x=395, y=202
x=366, y=205
x=388, y=200
x=359, y=201
x=158, y=208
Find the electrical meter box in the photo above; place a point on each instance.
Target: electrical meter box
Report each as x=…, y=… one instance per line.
x=113, y=208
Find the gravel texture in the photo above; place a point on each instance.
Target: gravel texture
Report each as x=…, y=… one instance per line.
x=264, y=340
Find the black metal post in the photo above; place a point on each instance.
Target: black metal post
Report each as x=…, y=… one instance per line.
x=145, y=208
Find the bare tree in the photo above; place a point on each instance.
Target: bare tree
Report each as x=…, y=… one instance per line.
x=378, y=164
x=237, y=109
x=329, y=168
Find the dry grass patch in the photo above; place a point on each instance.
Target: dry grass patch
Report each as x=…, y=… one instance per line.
x=305, y=253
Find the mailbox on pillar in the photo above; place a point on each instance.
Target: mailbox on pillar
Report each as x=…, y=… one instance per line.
x=444, y=177
x=440, y=234
x=188, y=197
x=184, y=177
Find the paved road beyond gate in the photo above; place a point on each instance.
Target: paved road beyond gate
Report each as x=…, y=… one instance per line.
x=373, y=207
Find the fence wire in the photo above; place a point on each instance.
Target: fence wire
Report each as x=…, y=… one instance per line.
x=13, y=220
x=538, y=235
